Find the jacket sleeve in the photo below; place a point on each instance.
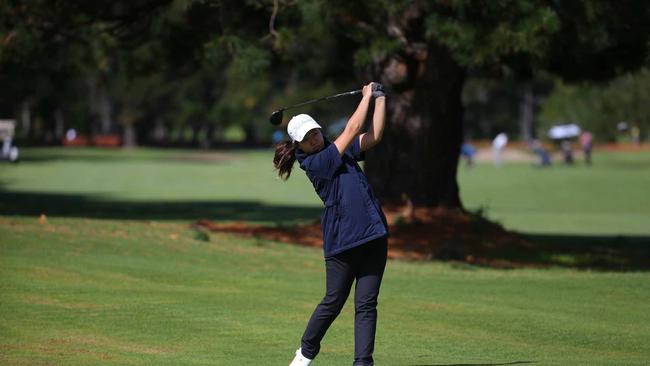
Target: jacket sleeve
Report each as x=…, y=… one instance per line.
x=355, y=150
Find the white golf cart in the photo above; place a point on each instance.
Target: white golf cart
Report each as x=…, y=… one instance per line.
x=7, y=129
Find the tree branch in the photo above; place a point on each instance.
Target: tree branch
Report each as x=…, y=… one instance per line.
x=274, y=33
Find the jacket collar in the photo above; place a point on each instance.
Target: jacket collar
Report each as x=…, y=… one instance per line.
x=301, y=155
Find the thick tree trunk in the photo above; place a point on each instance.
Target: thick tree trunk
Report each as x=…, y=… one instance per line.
x=159, y=134
x=527, y=113
x=104, y=109
x=208, y=141
x=59, y=124
x=250, y=137
x=129, y=138
x=26, y=120
x=418, y=156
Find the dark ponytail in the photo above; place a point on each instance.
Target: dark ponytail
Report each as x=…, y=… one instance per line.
x=285, y=156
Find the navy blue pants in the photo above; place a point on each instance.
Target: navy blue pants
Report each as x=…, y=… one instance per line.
x=366, y=264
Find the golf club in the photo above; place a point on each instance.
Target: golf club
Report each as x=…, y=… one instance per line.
x=276, y=117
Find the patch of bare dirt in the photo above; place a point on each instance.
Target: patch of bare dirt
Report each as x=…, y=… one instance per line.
x=418, y=234
x=507, y=155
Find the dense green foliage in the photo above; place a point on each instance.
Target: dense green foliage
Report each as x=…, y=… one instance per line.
x=182, y=71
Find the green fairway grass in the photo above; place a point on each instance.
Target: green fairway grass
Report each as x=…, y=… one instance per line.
x=611, y=197
x=114, y=274
x=154, y=184
x=107, y=292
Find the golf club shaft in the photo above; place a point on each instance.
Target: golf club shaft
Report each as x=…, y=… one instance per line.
x=323, y=98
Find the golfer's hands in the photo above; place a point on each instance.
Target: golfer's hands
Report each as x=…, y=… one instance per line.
x=367, y=91
x=378, y=90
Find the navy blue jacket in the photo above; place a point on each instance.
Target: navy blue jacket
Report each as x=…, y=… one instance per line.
x=352, y=215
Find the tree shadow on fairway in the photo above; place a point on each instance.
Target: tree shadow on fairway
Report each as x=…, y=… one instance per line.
x=468, y=241
x=98, y=155
x=476, y=364
x=588, y=252
x=606, y=252
x=96, y=206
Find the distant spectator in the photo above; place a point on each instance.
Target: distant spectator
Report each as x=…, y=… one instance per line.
x=499, y=142
x=567, y=152
x=586, y=143
x=544, y=156
x=71, y=134
x=467, y=151
x=277, y=137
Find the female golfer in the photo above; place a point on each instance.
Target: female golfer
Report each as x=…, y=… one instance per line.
x=354, y=226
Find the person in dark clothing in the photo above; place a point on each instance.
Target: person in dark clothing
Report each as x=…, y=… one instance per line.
x=567, y=151
x=585, y=141
x=354, y=226
x=468, y=151
x=538, y=149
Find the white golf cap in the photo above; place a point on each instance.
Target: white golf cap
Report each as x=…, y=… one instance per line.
x=299, y=126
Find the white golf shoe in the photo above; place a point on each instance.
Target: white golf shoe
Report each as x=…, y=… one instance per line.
x=300, y=360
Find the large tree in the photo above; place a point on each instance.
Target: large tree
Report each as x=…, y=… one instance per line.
x=423, y=51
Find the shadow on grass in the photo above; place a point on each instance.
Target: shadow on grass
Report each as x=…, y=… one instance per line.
x=93, y=206
x=476, y=364
x=487, y=243
x=112, y=155
x=618, y=253
x=612, y=253
x=470, y=239
x=589, y=252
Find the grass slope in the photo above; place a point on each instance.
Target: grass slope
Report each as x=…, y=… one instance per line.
x=116, y=276
x=106, y=292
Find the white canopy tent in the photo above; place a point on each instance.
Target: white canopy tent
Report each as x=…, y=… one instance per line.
x=567, y=131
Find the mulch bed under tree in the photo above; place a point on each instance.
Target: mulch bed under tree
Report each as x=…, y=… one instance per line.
x=415, y=234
